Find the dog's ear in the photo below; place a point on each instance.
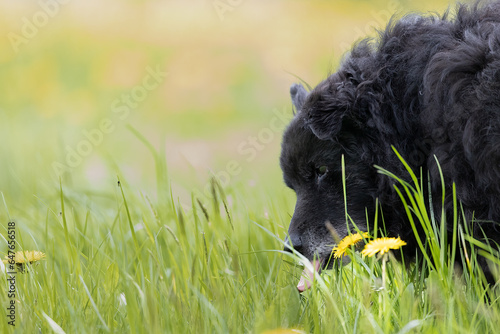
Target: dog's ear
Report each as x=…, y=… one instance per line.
x=298, y=94
x=328, y=108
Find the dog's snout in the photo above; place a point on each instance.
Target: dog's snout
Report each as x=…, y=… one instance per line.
x=293, y=241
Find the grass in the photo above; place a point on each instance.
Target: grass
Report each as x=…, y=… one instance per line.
x=139, y=265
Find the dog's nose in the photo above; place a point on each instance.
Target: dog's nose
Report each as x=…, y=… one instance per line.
x=294, y=242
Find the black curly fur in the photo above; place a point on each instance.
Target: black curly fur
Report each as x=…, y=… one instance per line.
x=430, y=87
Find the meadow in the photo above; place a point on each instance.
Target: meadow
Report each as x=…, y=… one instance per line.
x=140, y=154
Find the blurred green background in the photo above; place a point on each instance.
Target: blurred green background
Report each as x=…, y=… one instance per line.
x=66, y=65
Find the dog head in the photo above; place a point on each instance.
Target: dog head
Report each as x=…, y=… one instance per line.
x=323, y=131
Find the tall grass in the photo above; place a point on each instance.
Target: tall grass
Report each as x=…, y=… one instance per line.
x=137, y=265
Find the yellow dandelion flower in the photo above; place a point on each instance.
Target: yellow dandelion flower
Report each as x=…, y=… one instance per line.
x=23, y=257
x=382, y=246
x=347, y=242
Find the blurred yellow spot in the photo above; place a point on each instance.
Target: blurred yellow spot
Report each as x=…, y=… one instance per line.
x=22, y=257
x=283, y=331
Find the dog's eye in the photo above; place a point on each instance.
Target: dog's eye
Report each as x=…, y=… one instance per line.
x=322, y=170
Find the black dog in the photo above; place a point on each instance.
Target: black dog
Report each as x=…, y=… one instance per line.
x=430, y=87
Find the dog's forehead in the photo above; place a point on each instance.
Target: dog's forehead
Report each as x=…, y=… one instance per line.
x=297, y=136
x=300, y=145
